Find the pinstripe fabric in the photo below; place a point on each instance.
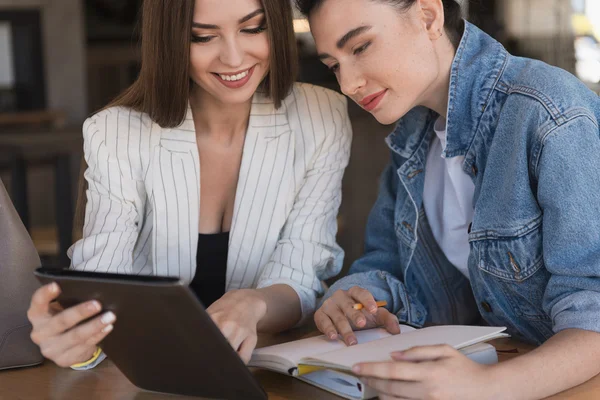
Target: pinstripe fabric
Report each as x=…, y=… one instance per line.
x=143, y=199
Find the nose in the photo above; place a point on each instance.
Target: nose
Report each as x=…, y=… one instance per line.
x=232, y=53
x=351, y=80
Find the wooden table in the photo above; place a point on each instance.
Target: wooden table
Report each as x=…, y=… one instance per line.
x=48, y=382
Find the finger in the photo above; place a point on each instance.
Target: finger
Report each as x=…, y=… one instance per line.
x=397, y=370
x=247, y=348
x=325, y=325
x=86, y=335
x=40, y=302
x=234, y=333
x=388, y=320
x=70, y=317
x=389, y=397
x=395, y=389
x=425, y=353
x=345, y=302
x=342, y=325
x=82, y=334
x=364, y=297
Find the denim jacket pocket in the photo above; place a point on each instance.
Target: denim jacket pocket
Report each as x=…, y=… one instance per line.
x=514, y=269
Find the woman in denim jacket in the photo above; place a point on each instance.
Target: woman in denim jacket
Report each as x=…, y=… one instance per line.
x=489, y=208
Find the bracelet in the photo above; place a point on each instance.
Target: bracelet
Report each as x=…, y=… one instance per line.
x=91, y=360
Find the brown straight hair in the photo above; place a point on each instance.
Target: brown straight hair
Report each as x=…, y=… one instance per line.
x=163, y=86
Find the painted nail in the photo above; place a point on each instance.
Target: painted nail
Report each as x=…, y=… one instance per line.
x=94, y=306
x=108, y=318
x=107, y=328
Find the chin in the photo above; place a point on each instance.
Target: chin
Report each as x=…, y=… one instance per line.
x=386, y=118
x=237, y=98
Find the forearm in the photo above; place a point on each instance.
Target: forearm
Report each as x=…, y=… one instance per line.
x=566, y=360
x=283, y=308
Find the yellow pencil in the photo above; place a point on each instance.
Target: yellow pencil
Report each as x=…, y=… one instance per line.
x=359, y=306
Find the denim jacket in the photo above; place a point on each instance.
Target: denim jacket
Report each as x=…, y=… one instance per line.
x=531, y=144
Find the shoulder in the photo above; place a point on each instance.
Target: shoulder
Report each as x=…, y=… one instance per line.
x=117, y=124
x=317, y=112
x=547, y=94
x=305, y=97
x=120, y=136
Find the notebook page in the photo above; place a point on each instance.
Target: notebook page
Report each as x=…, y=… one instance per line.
x=298, y=349
x=456, y=336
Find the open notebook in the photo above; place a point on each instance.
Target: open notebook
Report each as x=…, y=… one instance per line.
x=327, y=363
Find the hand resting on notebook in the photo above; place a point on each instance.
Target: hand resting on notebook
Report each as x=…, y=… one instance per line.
x=337, y=315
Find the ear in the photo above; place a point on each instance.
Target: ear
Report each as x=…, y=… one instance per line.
x=432, y=16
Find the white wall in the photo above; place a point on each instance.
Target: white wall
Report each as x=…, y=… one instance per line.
x=593, y=12
x=64, y=53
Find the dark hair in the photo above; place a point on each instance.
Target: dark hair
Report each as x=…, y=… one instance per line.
x=163, y=86
x=453, y=25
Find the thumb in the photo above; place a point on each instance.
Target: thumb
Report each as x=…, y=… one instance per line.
x=424, y=353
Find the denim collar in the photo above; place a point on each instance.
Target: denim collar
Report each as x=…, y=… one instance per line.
x=477, y=66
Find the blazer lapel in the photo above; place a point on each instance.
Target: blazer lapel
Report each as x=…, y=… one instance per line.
x=176, y=199
x=266, y=172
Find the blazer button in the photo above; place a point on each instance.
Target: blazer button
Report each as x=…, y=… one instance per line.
x=486, y=306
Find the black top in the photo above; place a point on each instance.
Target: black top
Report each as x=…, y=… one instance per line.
x=211, y=267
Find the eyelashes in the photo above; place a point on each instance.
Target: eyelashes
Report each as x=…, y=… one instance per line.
x=255, y=31
x=358, y=51
x=361, y=49
x=252, y=31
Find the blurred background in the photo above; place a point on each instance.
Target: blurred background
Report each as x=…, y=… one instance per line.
x=61, y=60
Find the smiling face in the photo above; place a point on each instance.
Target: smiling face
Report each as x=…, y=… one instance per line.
x=384, y=59
x=229, y=53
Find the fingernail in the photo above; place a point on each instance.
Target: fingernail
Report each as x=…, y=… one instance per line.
x=332, y=336
x=107, y=328
x=108, y=318
x=94, y=306
x=373, y=309
x=356, y=369
x=398, y=354
x=53, y=287
x=361, y=321
x=352, y=342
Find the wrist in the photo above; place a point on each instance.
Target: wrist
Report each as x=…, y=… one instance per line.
x=497, y=383
x=92, y=358
x=259, y=303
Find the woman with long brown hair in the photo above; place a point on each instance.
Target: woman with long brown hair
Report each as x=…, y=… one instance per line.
x=214, y=167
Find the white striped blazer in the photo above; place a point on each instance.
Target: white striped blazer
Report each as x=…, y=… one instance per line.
x=143, y=197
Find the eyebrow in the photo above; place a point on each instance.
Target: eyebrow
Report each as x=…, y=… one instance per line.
x=241, y=21
x=346, y=38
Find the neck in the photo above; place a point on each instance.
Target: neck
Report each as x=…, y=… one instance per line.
x=436, y=97
x=217, y=121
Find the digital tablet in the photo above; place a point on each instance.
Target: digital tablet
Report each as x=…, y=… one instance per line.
x=163, y=339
